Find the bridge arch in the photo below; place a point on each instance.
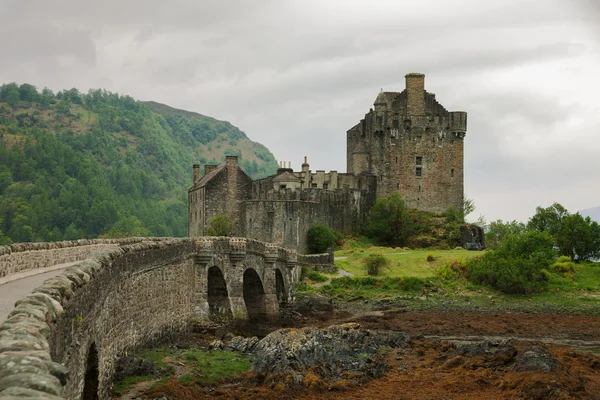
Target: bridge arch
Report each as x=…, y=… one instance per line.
x=217, y=296
x=254, y=294
x=92, y=377
x=280, y=287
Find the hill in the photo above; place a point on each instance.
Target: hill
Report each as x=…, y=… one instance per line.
x=593, y=213
x=76, y=165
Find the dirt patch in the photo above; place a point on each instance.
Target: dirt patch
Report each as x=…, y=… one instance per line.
x=426, y=370
x=450, y=357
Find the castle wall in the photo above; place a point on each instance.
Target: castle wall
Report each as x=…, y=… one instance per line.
x=284, y=217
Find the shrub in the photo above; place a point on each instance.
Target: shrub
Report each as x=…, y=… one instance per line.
x=320, y=238
x=412, y=283
x=374, y=264
x=220, y=225
x=563, y=265
x=517, y=265
x=430, y=258
x=316, y=276
x=390, y=221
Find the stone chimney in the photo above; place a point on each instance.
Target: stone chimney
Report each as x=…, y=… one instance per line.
x=208, y=168
x=415, y=92
x=196, y=173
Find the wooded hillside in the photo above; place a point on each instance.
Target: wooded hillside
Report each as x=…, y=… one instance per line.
x=76, y=165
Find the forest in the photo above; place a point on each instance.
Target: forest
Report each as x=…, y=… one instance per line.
x=100, y=164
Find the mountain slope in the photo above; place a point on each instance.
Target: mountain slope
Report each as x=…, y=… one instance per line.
x=593, y=213
x=76, y=165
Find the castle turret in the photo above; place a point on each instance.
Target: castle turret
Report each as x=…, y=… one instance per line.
x=458, y=123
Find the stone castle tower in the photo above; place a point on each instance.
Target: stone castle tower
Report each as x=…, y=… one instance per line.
x=413, y=146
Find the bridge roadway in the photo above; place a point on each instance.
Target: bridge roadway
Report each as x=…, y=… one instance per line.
x=15, y=287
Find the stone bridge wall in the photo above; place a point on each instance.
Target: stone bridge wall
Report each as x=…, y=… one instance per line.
x=125, y=298
x=21, y=257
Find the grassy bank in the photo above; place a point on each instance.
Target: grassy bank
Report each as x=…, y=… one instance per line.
x=422, y=279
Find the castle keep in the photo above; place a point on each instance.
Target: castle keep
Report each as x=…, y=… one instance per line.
x=408, y=144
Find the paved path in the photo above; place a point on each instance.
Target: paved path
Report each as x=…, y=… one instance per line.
x=17, y=286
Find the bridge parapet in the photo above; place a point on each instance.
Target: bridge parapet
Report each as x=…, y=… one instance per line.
x=129, y=296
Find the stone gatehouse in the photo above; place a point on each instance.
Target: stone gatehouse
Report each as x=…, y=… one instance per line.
x=407, y=144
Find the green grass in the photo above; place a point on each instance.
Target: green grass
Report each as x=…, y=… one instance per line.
x=213, y=366
x=422, y=284
x=317, y=277
x=203, y=367
x=401, y=262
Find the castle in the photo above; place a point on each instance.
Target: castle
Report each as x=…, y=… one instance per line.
x=408, y=144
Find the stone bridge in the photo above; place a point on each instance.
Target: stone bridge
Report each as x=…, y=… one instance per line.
x=64, y=338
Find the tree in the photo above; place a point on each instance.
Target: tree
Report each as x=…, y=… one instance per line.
x=468, y=206
x=499, y=230
x=319, y=238
x=220, y=225
x=548, y=219
x=389, y=221
x=127, y=226
x=577, y=237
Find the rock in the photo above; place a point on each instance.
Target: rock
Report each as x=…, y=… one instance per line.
x=41, y=382
x=216, y=345
x=240, y=343
x=319, y=303
x=535, y=359
x=133, y=366
x=21, y=393
x=334, y=350
x=18, y=364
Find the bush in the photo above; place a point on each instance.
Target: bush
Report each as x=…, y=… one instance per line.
x=319, y=238
x=220, y=225
x=375, y=263
x=517, y=265
x=430, y=258
x=390, y=221
x=316, y=276
x=563, y=265
x=412, y=283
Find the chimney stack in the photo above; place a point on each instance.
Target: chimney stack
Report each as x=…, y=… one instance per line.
x=415, y=92
x=196, y=173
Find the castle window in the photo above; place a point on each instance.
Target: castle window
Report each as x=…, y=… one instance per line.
x=419, y=171
x=282, y=186
x=397, y=186
x=396, y=160
x=396, y=121
x=325, y=186
x=419, y=160
x=314, y=185
x=452, y=173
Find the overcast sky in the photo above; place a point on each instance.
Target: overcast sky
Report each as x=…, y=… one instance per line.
x=296, y=75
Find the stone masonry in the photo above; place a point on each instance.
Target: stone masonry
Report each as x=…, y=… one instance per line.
x=408, y=144
x=63, y=339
